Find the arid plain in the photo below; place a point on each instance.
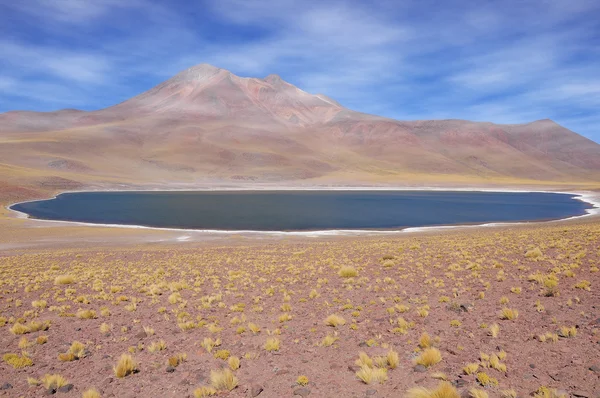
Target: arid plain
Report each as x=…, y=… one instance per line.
x=92, y=311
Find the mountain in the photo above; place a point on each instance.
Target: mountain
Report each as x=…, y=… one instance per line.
x=207, y=125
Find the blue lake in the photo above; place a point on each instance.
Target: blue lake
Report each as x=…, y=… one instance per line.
x=302, y=210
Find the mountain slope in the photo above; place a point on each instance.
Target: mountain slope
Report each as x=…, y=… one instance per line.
x=207, y=125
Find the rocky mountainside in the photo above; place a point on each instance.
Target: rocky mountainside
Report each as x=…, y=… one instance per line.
x=208, y=125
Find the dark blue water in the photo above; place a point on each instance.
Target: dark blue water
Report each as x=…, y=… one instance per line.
x=302, y=210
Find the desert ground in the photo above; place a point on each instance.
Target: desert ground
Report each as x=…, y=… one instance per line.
x=507, y=311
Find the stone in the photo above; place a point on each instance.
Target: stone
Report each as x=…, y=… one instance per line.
x=581, y=394
x=66, y=388
x=595, y=368
x=303, y=392
x=255, y=390
x=532, y=366
x=170, y=369
x=420, y=369
x=459, y=383
x=6, y=386
x=141, y=335
x=50, y=391
x=370, y=392
x=363, y=344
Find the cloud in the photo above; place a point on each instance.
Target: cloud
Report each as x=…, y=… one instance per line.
x=511, y=61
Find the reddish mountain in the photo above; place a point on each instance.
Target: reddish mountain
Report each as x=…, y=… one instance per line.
x=207, y=125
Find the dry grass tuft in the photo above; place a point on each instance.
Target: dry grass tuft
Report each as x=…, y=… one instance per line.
x=443, y=390
x=204, y=391
x=334, y=320
x=126, y=366
x=64, y=280
x=429, y=357
x=17, y=361
x=223, y=379
x=53, y=381
x=347, y=272
x=302, y=380
x=91, y=393
x=272, y=344
x=369, y=375
x=509, y=314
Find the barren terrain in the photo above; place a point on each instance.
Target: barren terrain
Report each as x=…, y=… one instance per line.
x=269, y=304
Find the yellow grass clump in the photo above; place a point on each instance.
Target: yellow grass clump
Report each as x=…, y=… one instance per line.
x=91, y=393
x=370, y=375
x=334, y=320
x=477, y=393
x=429, y=357
x=53, y=381
x=347, y=272
x=546, y=392
x=223, y=379
x=64, y=280
x=272, y=344
x=471, y=368
x=302, y=380
x=126, y=366
x=204, y=391
x=567, y=332
x=17, y=361
x=443, y=390
x=509, y=314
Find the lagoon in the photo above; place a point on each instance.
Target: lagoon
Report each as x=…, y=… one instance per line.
x=305, y=210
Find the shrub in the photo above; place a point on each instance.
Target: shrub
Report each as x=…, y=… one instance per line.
x=443, y=390
x=204, y=391
x=429, y=357
x=223, y=379
x=17, y=361
x=509, y=314
x=302, y=380
x=334, y=320
x=272, y=344
x=370, y=375
x=125, y=366
x=53, y=381
x=347, y=271
x=91, y=393
x=64, y=280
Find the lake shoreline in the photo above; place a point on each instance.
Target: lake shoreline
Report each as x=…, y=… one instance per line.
x=585, y=196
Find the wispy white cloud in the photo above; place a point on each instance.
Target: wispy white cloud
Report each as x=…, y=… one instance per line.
x=510, y=61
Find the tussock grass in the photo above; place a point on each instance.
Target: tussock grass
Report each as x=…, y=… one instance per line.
x=204, y=391
x=443, y=390
x=334, y=320
x=370, y=375
x=53, y=381
x=17, y=361
x=508, y=314
x=91, y=393
x=302, y=380
x=429, y=357
x=64, y=280
x=348, y=272
x=272, y=344
x=125, y=366
x=223, y=379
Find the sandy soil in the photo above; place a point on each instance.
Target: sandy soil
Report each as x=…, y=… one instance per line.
x=451, y=285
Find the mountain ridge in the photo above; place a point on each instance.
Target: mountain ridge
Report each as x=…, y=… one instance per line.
x=207, y=124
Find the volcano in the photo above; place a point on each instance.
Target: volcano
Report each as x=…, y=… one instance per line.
x=208, y=125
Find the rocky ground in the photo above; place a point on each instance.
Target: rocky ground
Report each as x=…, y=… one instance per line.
x=256, y=319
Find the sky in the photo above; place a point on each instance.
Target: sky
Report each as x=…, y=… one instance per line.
x=510, y=61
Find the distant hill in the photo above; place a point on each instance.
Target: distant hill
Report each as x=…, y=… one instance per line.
x=207, y=125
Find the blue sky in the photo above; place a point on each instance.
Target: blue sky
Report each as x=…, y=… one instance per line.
x=500, y=61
